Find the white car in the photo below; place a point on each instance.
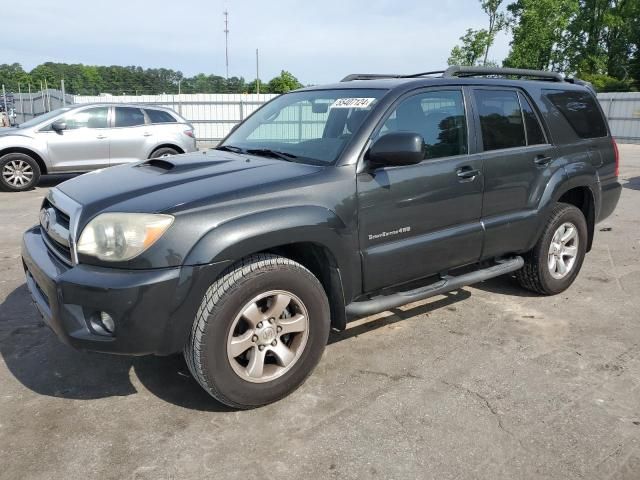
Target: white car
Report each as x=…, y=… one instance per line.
x=81, y=138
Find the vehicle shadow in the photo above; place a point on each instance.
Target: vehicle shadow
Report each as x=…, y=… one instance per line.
x=47, y=181
x=38, y=360
x=633, y=183
x=398, y=315
x=505, y=285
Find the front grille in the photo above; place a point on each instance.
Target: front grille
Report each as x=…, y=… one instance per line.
x=55, y=225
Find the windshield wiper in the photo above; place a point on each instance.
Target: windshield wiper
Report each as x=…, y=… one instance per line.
x=267, y=152
x=230, y=148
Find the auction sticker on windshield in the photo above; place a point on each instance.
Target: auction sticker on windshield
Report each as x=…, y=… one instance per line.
x=352, y=103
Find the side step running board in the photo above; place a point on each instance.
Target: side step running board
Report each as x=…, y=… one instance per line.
x=447, y=284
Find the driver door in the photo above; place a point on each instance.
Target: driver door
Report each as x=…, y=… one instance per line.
x=423, y=219
x=84, y=144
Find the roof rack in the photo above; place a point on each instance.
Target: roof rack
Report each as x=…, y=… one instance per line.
x=458, y=71
x=377, y=76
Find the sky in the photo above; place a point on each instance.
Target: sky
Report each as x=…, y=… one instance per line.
x=319, y=41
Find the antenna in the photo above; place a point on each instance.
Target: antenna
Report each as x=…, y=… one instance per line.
x=226, y=40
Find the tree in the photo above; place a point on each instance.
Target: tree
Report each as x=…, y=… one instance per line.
x=539, y=28
x=283, y=83
x=474, y=45
x=497, y=22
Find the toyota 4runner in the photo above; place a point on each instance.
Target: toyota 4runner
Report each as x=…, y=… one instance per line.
x=328, y=203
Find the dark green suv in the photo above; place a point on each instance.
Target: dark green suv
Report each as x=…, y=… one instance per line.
x=324, y=205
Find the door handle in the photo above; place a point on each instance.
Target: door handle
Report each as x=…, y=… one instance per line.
x=101, y=137
x=467, y=174
x=147, y=134
x=542, y=161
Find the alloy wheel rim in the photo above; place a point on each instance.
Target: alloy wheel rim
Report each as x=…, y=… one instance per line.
x=268, y=336
x=563, y=251
x=17, y=173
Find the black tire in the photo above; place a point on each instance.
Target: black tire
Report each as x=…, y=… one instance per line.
x=161, y=152
x=536, y=275
x=206, y=349
x=8, y=161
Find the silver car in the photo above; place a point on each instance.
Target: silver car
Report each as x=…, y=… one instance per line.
x=86, y=137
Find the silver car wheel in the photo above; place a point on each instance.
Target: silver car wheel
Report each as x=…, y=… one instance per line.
x=268, y=336
x=563, y=250
x=17, y=173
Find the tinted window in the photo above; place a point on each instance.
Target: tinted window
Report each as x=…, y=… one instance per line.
x=158, y=116
x=500, y=119
x=535, y=136
x=89, y=118
x=438, y=116
x=129, y=117
x=581, y=111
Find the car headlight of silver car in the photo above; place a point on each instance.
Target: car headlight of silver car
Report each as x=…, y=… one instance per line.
x=117, y=237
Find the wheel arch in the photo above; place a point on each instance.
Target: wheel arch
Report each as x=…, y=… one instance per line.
x=27, y=151
x=312, y=236
x=165, y=145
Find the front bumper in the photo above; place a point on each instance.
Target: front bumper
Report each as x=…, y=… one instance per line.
x=152, y=309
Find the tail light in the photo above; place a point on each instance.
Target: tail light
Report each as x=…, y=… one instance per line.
x=616, y=154
x=189, y=133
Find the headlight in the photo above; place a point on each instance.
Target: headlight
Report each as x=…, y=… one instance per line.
x=118, y=237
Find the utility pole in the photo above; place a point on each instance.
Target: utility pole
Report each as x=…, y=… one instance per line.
x=226, y=40
x=4, y=97
x=64, y=96
x=257, y=72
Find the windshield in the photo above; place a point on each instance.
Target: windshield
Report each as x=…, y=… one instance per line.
x=43, y=118
x=307, y=127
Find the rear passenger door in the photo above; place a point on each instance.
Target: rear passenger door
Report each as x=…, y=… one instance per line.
x=131, y=137
x=517, y=161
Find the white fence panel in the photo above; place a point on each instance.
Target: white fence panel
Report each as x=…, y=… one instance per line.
x=623, y=113
x=213, y=115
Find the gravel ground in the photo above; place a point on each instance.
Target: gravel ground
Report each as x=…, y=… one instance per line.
x=489, y=382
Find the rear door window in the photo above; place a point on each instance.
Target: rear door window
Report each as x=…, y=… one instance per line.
x=535, y=135
x=159, y=116
x=500, y=119
x=580, y=110
x=129, y=117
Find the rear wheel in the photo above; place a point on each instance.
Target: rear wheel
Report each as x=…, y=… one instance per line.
x=164, y=152
x=18, y=172
x=259, y=332
x=555, y=261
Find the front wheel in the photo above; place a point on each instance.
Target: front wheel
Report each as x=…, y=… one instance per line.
x=18, y=172
x=259, y=332
x=555, y=261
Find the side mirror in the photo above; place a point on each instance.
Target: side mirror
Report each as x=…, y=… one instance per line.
x=59, y=126
x=397, y=148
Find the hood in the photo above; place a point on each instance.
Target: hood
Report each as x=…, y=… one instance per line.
x=4, y=131
x=168, y=183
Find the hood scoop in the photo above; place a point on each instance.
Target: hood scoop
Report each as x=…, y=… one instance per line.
x=160, y=163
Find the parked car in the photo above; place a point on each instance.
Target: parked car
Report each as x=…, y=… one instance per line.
x=87, y=137
x=328, y=203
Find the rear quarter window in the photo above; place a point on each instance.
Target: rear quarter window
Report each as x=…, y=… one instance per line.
x=158, y=116
x=581, y=111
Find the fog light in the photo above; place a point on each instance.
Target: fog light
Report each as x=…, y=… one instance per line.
x=107, y=322
x=103, y=324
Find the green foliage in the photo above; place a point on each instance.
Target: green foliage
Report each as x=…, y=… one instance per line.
x=474, y=45
x=284, y=83
x=595, y=39
x=92, y=80
x=605, y=83
x=538, y=33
